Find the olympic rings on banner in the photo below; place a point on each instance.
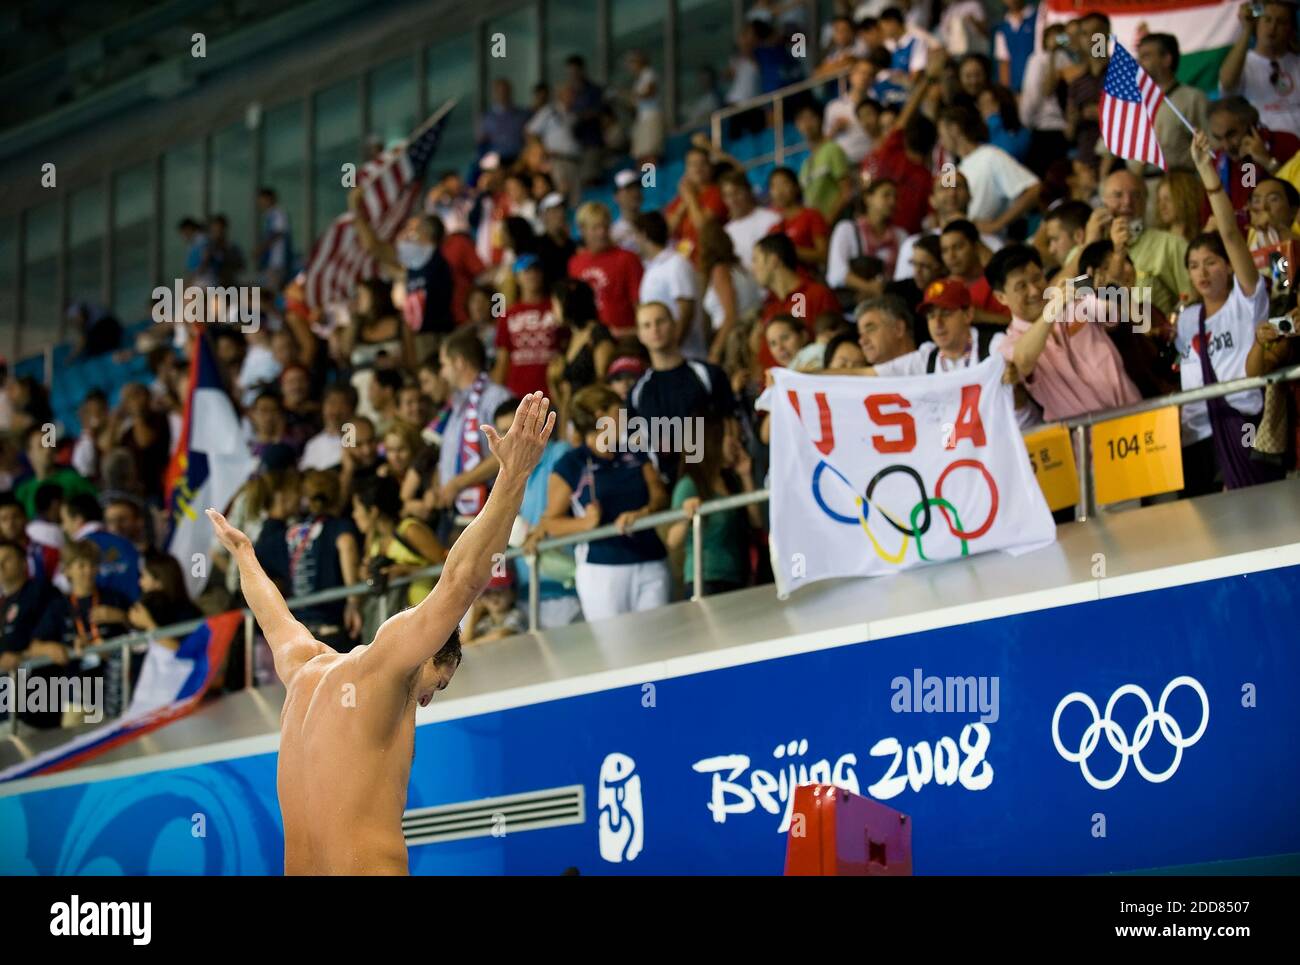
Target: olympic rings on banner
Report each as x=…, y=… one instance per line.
x=941, y=503
x=902, y=553
x=817, y=492
x=993, y=492
x=920, y=485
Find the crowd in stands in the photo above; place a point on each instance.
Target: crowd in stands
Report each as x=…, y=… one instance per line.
x=953, y=199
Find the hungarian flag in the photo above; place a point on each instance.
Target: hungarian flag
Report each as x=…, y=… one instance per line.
x=210, y=464
x=171, y=685
x=1205, y=29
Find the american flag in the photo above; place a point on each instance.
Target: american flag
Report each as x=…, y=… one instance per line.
x=1129, y=101
x=390, y=186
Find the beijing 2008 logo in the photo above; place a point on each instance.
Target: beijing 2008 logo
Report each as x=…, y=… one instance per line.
x=1118, y=740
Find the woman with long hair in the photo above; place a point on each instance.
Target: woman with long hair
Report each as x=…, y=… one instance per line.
x=1214, y=338
x=725, y=469
x=394, y=546
x=730, y=292
x=1180, y=198
x=998, y=107
x=803, y=225
x=589, y=348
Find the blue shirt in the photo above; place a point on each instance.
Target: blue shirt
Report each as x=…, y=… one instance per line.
x=119, y=564
x=619, y=485
x=1020, y=43
x=502, y=130
x=1015, y=143
x=531, y=509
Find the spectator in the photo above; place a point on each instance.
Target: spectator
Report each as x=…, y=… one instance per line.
x=361, y=458
x=623, y=374
x=465, y=464
x=162, y=598
x=301, y=412
x=824, y=173
x=1013, y=43
x=93, y=415
x=974, y=77
x=96, y=331
x=41, y=561
x=788, y=291
x=428, y=279
x=1247, y=151
x=698, y=202
x=670, y=280
x=812, y=357
x=495, y=614
x=1002, y=189
x=501, y=128
x=394, y=546
x=629, y=198
x=804, y=226
x=1064, y=228
x=556, y=125
x=588, y=346
x=648, y=127
x=1180, y=199
x=1214, y=340
x=786, y=337
x=528, y=335
x=926, y=267
x=266, y=424
x=843, y=49
x=119, y=562
x=1041, y=109
x=903, y=156
x=730, y=292
x=725, y=469
x=708, y=98
x=1084, y=82
x=325, y=449
x=869, y=232
x=964, y=27
x=842, y=123
x=588, y=101
x=307, y=552
x=885, y=327
x=613, y=273
x=23, y=602
x=194, y=238
x=1269, y=74
x=1069, y=365
x=676, y=387
x=555, y=247
x=997, y=105
x=843, y=352
x=40, y=457
x=275, y=258
x=959, y=243
x=746, y=223
x=45, y=530
x=908, y=44
x=1274, y=205
x=595, y=485
x=225, y=257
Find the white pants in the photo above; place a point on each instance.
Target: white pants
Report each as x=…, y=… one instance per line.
x=607, y=590
x=558, y=611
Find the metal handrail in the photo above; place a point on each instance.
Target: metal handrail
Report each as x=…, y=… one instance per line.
x=1080, y=424
x=776, y=99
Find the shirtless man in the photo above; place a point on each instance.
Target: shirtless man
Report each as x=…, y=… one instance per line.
x=347, y=730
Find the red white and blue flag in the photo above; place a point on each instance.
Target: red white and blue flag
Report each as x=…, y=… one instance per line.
x=171, y=685
x=1129, y=101
x=210, y=464
x=390, y=186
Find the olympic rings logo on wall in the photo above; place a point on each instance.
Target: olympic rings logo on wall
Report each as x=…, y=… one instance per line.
x=919, y=518
x=1119, y=741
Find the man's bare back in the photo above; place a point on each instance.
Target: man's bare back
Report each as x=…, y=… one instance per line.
x=347, y=730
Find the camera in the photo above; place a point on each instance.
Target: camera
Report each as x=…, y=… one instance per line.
x=1135, y=227
x=1284, y=324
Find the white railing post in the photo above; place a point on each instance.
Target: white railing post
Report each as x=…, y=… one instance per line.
x=534, y=594
x=697, y=557
x=249, y=648
x=1083, y=454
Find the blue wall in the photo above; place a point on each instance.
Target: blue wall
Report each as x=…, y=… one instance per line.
x=1235, y=792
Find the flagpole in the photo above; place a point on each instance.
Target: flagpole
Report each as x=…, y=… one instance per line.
x=1166, y=101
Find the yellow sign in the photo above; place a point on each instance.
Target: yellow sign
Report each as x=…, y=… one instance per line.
x=1138, y=455
x=1052, y=457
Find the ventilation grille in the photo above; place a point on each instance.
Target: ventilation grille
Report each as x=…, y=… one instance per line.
x=495, y=816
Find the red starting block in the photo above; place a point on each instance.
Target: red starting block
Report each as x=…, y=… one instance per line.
x=846, y=834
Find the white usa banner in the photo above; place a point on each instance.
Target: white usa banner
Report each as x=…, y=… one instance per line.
x=873, y=475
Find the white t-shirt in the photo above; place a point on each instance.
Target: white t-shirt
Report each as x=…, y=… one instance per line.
x=1038, y=111
x=749, y=295
x=1230, y=332
x=959, y=37
x=746, y=81
x=995, y=179
x=853, y=140
x=646, y=93
x=323, y=451
x=668, y=277
x=748, y=231
x=846, y=244
x=1278, y=104
x=914, y=363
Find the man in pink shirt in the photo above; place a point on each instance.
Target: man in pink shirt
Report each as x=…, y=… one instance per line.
x=1059, y=348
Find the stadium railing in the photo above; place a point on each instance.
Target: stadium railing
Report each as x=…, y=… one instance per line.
x=776, y=101
x=1080, y=425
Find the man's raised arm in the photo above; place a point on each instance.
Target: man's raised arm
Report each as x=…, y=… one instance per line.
x=291, y=643
x=408, y=639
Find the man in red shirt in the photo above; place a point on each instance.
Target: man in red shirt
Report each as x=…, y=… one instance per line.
x=1239, y=140
x=960, y=244
x=903, y=157
x=613, y=273
x=458, y=250
x=698, y=202
x=789, y=292
x=528, y=336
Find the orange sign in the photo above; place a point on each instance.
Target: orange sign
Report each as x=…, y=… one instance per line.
x=1052, y=457
x=1138, y=455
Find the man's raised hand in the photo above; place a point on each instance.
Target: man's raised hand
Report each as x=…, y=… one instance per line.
x=229, y=537
x=520, y=449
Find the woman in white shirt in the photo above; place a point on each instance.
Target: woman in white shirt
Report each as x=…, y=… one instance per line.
x=730, y=292
x=1213, y=338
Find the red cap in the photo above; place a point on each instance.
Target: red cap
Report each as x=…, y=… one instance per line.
x=946, y=293
x=503, y=582
x=625, y=365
